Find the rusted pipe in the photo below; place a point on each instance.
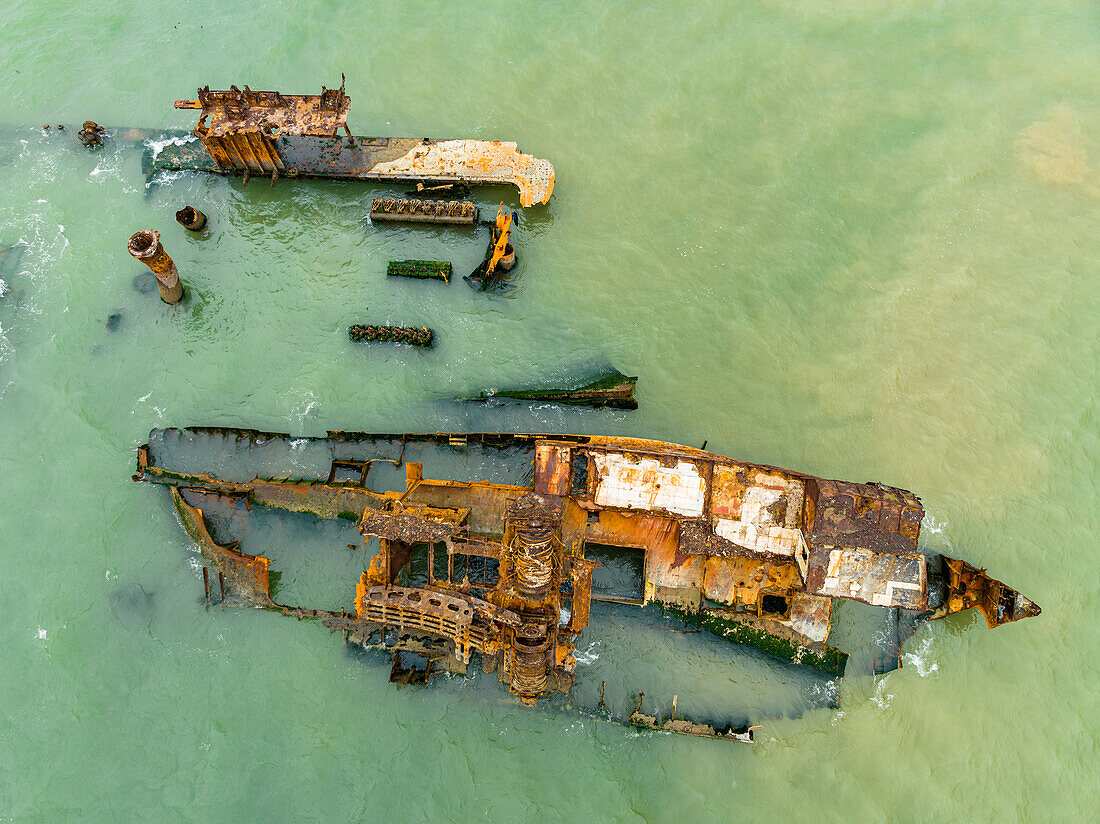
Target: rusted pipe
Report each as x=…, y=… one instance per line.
x=191, y=218
x=145, y=246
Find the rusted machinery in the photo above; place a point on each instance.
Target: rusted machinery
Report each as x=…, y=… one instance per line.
x=91, y=135
x=259, y=133
x=420, y=336
x=501, y=568
x=500, y=256
x=457, y=212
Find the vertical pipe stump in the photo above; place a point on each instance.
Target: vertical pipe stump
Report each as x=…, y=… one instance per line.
x=145, y=246
x=191, y=218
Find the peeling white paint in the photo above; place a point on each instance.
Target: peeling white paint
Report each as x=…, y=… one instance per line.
x=633, y=482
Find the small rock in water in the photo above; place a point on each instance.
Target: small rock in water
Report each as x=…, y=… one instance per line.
x=114, y=321
x=145, y=282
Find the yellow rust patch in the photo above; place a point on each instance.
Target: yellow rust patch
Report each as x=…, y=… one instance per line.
x=484, y=161
x=735, y=579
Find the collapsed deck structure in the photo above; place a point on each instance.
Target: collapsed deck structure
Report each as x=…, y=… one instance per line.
x=254, y=133
x=754, y=553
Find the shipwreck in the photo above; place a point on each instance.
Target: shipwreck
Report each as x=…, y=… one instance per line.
x=273, y=135
x=499, y=570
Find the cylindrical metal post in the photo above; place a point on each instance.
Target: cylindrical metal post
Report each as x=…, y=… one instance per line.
x=145, y=246
x=191, y=218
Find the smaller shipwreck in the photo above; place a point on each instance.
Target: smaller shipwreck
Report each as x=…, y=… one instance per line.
x=275, y=135
x=612, y=390
x=501, y=570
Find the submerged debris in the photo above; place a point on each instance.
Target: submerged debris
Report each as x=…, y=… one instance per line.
x=460, y=212
x=613, y=390
x=91, y=135
x=144, y=283
x=502, y=569
x=426, y=269
x=274, y=135
x=441, y=190
x=500, y=257
x=421, y=336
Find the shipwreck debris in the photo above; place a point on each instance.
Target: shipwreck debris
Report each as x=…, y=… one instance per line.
x=613, y=390
x=500, y=257
x=424, y=269
x=414, y=336
x=266, y=133
x=458, y=212
x=91, y=135
x=446, y=191
x=191, y=218
x=752, y=553
x=145, y=246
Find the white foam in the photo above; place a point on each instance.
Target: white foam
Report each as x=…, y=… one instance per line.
x=587, y=656
x=159, y=146
x=920, y=659
x=881, y=696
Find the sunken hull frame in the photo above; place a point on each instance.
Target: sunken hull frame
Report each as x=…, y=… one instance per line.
x=753, y=553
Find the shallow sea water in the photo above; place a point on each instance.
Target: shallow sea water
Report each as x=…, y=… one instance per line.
x=853, y=238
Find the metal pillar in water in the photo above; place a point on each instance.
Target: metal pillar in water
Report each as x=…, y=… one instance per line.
x=145, y=246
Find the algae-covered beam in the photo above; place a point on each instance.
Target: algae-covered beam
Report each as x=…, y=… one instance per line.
x=614, y=390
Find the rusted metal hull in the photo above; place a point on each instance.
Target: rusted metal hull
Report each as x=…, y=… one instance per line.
x=752, y=553
x=269, y=134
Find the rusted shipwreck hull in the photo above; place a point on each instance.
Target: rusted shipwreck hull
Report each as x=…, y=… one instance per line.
x=754, y=553
x=270, y=134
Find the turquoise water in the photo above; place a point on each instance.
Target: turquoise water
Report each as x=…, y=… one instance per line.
x=856, y=239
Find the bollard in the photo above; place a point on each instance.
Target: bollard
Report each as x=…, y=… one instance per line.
x=145, y=246
x=191, y=218
x=508, y=259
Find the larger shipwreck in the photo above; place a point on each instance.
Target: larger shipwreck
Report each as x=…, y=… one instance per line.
x=500, y=568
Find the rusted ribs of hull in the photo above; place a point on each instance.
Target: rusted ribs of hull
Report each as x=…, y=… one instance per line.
x=754, y=554
x=262, y=133
x=420, y=336
x=457, y=212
